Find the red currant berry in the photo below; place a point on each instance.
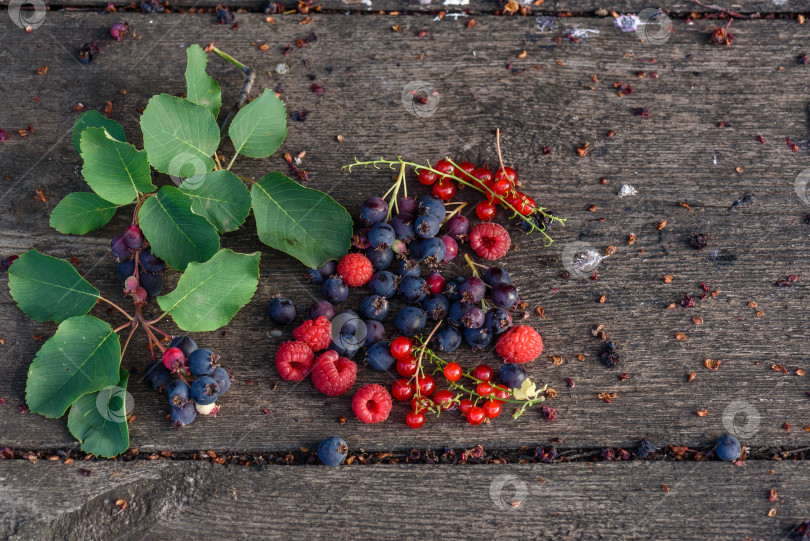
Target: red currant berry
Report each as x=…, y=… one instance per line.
x=420, y=404
x=407, y=367
x=435, y=282
x=483, y=389
x=444, y=166
x=483, y=175
x=492, y=408
x=465, y=405
x=427, y=177
x=426, y=384
x=401, y=347
x=501, y=187
x=485, y=211
x=452, y=371
x=527, y=206
x=402, y=390
x=514, y=199
x=482, y=372
x=467, y=167
x=506, y=173
x=415, y=419
x=500, y=393
x=444, y=189
x=476, y=415
x=444, y=399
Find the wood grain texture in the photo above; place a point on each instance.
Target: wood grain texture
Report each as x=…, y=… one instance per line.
x=639, y=500
x=478, y=7
x=676, y=154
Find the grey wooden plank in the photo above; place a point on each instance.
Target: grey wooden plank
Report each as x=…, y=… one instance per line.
x=639, y=500
x=677, y=154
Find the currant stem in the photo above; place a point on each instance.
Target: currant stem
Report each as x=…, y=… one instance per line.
x=250, y=77
x=471, y=265
x=157, y=330
x=229, y=58
x=125, y=325
x=459, y=207
x=152, y=338
x=418, y=390
x=129, y=317
x=498, y=146
x=151, y=322
x=124, y=349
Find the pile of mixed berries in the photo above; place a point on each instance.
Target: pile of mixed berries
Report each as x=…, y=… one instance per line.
x=139, y=270
x=192, y=379
x=403, y=246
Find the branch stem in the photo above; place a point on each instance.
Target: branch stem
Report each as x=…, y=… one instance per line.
x=111, y=303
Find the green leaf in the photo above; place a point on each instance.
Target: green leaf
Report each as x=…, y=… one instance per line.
x=99, y=420
x=201, y=88
x=259, y=128
x=94, y=119
x=209, y=294
x=179, y=136
x=114, y=170
x=80, y=212
x=82, y=357
x=49, y=289
x=305, y=223
x=220, y=197
x=177, y=235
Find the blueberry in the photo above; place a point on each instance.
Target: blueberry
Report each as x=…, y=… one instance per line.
x=436, y=306
x=379, y=356
x=728, y=448
x=133, y=236
x=381, y=236
x=505, y=296
x=323, y=272
x=431, y=205
x=335, y=289
x=497, y=320
x=152, y=283
x=204, y=390
x=360, y=239
x=452, y=288
x=512, y=375
x=474, y=317
x=281, y=310
x=447, y=339
x=412, y=289
x=346, y=346
x=496, y=276
x=375, y=331
x=183, y=415
x=126, y=269
x=374, y=307
x=157, y=375
x=223, y=378
x=373, y=211
x=431, y=250
x=410, y=321
x=184, y=344
x=478, y=338
x=472, y=290
x=645, y=449
x=427, y=226
x=150, y=263
x=407, y=205
x=408, y=267
x=458, y=227
x=403, y=226
x=383, y=283
x=332, y=451
x=119, y=248
x=457, y=311
x=380, y=259
x=178, y=392
x=202, y=362
x=321, y=308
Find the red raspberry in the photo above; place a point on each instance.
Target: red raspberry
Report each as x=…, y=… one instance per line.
x=490, y=241
x=317, y=333
x=372, y=403
x=333, y=375
x=293, y=360
x=355, y=269
x=520, y=345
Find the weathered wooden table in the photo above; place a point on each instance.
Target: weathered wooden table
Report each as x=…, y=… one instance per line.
x=721, y=125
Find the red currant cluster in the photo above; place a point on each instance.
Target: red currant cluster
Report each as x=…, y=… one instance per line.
x=483, y=401
x=499, y=188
